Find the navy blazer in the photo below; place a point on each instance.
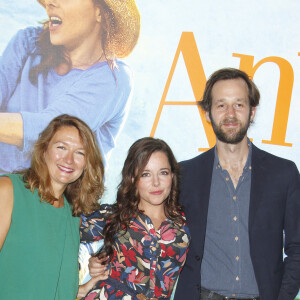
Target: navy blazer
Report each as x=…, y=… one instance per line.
x=274, y=208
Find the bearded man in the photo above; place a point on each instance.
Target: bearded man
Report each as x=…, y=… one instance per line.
x=242, y=206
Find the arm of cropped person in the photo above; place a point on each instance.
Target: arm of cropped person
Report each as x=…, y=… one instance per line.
x=6, y=207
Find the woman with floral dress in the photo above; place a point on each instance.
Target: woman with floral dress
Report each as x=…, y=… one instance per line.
x=145, y=234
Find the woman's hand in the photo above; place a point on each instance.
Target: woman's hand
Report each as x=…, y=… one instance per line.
x=97, y=266
x=85, y=288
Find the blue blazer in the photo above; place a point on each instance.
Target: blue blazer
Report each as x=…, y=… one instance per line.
x=274, y=208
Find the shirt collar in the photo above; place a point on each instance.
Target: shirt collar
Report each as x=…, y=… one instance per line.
x=217, y=164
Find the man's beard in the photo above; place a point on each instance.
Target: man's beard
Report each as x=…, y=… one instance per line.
x=231, y=136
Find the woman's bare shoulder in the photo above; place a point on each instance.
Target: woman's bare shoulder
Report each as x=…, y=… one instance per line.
x=6, y=207
x=6, y=189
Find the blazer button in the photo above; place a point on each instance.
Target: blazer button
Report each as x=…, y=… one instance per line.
x=197, y=257
x=198, y=287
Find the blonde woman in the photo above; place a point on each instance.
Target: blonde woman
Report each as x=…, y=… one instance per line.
x=39, y=213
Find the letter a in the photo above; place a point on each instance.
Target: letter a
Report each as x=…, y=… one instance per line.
x=187, y=46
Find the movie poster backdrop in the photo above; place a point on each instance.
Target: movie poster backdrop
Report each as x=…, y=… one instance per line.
x=180, y=45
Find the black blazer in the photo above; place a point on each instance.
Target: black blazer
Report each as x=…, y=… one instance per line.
x=274, y=207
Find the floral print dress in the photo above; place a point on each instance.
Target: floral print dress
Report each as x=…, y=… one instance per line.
x=147, y=260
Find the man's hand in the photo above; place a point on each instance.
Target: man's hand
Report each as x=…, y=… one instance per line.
x=97, y=266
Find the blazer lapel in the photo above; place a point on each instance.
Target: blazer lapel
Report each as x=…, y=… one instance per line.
x=205, y=176
x=202, y=192
x=258, y=176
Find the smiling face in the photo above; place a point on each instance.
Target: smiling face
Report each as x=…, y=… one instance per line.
x=65, y=158
x=155, y=183
x=74, y=24
x=230, y=113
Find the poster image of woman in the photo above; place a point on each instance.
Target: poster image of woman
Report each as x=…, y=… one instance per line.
x=69, y=65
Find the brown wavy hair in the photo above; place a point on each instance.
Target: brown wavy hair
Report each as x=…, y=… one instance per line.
x=227, y=74
x=84, y=193
x=53, y=55
x=126, y=206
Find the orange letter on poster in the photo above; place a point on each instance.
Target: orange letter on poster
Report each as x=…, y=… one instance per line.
x=283, y=96
x=187, y=46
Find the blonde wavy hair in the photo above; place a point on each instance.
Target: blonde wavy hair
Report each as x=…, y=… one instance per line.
x=84, y=193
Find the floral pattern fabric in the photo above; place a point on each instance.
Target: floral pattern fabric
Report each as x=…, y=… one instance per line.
x=147, y=260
